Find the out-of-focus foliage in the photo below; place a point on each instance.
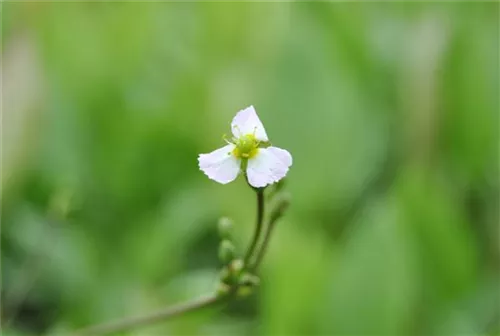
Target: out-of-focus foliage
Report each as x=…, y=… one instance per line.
x=390, y=112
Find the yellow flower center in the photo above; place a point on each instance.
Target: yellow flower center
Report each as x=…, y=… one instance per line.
x=246, y=147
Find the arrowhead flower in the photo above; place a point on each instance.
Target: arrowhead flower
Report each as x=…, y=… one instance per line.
x=249, y=151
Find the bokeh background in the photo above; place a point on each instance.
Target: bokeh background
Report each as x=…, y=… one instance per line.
x=390, y=112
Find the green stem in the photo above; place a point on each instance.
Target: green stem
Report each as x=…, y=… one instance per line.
x=280, y=206
x=265, y=244
x=161, y=315
x=258, y=226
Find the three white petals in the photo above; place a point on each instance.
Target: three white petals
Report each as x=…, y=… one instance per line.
x=269, y=165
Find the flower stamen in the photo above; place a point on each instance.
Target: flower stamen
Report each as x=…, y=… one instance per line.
x=246, y=147
x=229, y=142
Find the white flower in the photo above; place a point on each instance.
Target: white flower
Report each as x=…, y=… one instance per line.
x=249, y=151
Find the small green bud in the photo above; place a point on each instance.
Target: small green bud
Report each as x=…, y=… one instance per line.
x=231, y=274
x=281, y=204
x=226, y=251
x=223, y=289
x=236, y=267
x=244, y=291
x=225, y=227
x=248, y=279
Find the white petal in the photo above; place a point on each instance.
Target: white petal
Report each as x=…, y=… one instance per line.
x=220, y=165
x=247, y=122
x=268, y=166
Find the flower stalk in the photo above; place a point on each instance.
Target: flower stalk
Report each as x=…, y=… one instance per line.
x=258, y=226
x=281, y=205
x=161, y=315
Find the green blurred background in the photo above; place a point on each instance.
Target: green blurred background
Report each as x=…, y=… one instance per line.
x=390, y=112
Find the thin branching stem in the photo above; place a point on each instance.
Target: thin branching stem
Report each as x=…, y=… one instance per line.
x=181, y=309
x=160, y=315
x=258, y=226
x=265, y=244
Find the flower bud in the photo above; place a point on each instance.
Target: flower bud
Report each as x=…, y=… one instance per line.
x=226, y=251
x=244, y=291
x=236, y=267
x=248, y=279
x=225, y=227
x=223, y=289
